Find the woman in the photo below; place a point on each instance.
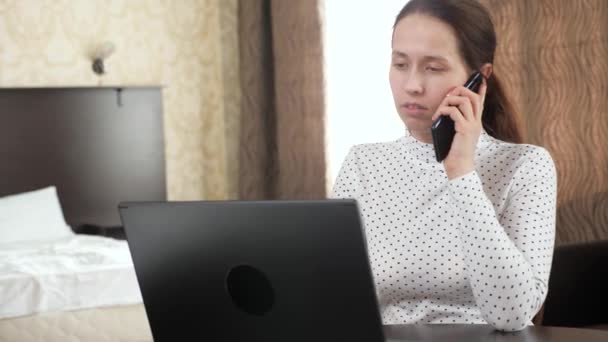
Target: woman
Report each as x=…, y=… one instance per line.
x=468, y=240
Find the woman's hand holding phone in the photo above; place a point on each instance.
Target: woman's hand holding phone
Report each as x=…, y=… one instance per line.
x=465, y=107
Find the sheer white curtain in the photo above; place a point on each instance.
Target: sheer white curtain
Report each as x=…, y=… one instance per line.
x=357, y=58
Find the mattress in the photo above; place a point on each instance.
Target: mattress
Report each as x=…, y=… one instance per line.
x=71, y=273
x=108, y=324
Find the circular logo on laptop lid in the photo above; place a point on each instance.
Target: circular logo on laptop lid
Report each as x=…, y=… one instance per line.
x=250, y=290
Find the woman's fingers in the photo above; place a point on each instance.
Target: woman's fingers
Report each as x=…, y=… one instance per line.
x=452, y=112
x=477, y=99
x=469, y=103
x=462, y=103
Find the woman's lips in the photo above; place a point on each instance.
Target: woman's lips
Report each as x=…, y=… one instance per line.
x=414, y=109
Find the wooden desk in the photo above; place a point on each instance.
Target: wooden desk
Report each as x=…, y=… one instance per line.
x=481, y=333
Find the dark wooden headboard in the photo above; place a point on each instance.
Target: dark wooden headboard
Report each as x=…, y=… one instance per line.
x=98, y=146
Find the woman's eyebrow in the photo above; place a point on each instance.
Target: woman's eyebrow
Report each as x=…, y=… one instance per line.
x=429, y=58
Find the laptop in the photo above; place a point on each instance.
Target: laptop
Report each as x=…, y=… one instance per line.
x=253, y=270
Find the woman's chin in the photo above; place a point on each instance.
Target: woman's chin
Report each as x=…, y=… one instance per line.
x=417, y=123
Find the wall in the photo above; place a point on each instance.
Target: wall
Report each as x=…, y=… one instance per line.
x=553, y=58
x=187, y=46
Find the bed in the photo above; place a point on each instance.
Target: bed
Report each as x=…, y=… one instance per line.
x=79, y=288
x=56, y=285
x=70, y=155
x=109, y=324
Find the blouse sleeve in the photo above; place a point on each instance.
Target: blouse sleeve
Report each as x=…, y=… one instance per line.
x=508, y=256
x=348, y=181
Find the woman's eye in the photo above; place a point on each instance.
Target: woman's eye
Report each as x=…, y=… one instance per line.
x=400, y=65
x=434, y=69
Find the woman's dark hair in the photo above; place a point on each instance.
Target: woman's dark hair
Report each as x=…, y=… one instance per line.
x=474, y=30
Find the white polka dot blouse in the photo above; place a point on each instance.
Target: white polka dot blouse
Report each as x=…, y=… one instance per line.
x=474, y=249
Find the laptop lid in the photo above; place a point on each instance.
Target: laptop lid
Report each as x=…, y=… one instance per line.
x=253, y=270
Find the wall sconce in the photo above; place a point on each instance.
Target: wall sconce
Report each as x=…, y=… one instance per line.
x=99, y=55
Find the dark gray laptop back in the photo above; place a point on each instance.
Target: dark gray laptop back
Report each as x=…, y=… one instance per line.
x=253, y=271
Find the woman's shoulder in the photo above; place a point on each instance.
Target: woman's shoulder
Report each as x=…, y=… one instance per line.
x=520, y=154
x=373, y=150
x=523, y=150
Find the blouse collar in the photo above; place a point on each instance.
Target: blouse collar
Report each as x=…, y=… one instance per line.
x=424, y=153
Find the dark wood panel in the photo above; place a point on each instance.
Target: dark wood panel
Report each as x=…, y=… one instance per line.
x=98, y=146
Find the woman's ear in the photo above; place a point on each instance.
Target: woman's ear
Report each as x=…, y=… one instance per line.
x=486, y=70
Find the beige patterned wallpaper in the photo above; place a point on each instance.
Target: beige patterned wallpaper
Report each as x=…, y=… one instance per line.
x=190, y=47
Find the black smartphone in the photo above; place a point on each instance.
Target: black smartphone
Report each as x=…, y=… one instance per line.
x=442, y=129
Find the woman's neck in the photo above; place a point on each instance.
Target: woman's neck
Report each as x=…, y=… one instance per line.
x=423, y=136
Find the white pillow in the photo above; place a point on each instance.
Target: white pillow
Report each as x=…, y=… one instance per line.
x=32, y=216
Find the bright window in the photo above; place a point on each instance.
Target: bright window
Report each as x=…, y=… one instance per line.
x=357, y=51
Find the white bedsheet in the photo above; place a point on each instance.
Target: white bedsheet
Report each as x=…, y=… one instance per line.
x=75, y=272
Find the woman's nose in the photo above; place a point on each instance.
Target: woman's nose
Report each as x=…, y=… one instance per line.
x=413, y=84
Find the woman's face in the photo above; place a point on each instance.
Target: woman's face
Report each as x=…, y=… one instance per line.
x=425, y=66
